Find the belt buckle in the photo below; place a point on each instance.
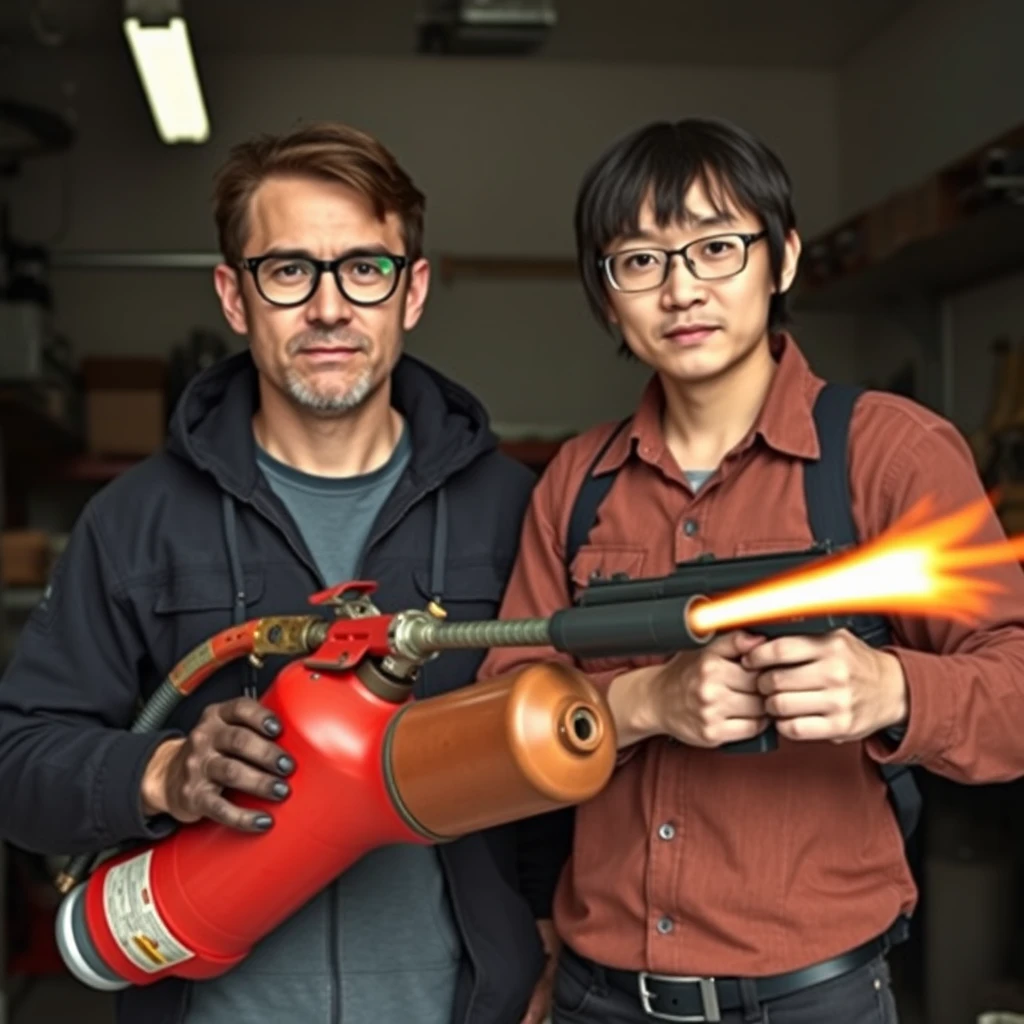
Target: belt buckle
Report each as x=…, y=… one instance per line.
x=708, y=997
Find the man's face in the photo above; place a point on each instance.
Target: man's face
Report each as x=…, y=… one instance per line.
x=687, y=328
x=327, y=354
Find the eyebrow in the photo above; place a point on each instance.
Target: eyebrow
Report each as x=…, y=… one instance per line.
x=712, y=220
x=289, y=253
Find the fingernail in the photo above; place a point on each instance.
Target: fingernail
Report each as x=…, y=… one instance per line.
x=281, y=790
x=272, y=727
x=286, y=764
x=263, y=822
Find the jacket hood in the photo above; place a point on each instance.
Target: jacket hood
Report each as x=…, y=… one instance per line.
x=211, y=427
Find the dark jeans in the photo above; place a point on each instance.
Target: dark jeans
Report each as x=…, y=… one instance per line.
x=863, y=996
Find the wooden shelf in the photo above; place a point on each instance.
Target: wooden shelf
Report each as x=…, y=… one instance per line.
x=92, y=468
x=956, y=228
x=507, y=267
x=978, y=248
x=30, y=431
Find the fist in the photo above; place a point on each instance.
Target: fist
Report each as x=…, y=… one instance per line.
x=709, y=699
x=232, y=747
x=832, y=687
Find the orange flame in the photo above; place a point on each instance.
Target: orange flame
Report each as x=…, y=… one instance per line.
x=915, y=568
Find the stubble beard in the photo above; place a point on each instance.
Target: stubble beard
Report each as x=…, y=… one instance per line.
x=329, y=403
x=334, y=401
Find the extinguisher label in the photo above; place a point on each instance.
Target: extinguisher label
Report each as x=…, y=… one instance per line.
x=134, y=920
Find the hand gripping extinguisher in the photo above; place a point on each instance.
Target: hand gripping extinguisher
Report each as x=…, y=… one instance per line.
x=374, y=767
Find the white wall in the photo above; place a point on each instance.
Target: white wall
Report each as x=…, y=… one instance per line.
x=497, y=146
x=946, y=78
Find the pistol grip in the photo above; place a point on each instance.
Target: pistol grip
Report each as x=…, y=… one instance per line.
x=763, y=743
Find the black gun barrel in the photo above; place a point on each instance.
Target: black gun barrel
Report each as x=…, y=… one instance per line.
x=701, y=576
x=619, y=630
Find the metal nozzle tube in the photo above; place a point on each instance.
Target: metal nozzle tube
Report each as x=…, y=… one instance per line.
x=418, y=635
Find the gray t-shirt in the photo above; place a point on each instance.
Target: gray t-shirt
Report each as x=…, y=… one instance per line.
x=335, y=514
x=380, y=945
x=698, y=477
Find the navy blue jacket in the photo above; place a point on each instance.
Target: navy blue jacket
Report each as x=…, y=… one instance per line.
x=154, y=566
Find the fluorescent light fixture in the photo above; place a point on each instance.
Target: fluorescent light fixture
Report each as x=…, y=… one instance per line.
x=163, y=58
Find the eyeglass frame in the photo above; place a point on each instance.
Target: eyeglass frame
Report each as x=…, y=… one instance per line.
x=321, y=267
x=748, y=238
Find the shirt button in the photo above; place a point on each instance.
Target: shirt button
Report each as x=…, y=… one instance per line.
x=690, y=527
x=665, y=925
x=667, y=831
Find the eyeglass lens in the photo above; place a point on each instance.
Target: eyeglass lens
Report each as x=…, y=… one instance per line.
x=293, y=279
x=709, y=258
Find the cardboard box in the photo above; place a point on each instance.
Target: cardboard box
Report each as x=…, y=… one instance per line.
x=124, y=422
x=125, y=405
x=25, y=558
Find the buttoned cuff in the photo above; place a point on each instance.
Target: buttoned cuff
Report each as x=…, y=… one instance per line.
x=932, y=711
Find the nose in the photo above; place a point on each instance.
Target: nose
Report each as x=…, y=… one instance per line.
x=327, y=305
x=682, y=289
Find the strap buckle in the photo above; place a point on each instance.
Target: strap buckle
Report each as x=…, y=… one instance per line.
x=711, y=1014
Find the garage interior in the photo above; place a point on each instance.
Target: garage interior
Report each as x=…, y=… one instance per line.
x=902, y=124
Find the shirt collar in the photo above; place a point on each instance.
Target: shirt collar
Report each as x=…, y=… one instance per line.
x=785, y=422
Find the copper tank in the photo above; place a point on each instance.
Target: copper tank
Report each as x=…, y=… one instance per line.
x=532, y=741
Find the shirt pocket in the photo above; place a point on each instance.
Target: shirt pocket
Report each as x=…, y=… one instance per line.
x=193, y=605
x=604, y=562
x=772, y=546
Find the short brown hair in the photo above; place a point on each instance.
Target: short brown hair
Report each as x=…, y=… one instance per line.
x=326, y=150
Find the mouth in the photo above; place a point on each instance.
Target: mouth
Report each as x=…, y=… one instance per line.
x=691, y=334
x=329, y=353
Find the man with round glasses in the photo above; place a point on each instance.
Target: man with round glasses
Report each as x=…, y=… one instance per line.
x=319, y=454
x=710, y=881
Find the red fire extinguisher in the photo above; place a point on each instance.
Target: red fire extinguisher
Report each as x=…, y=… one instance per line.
x=374, y=767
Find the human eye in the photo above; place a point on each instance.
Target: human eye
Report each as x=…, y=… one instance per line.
x=285, y=277
x=369, y=268
x=722, y=247
x=641, y=260
x=288, y=271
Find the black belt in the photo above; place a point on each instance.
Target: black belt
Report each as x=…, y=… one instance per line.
x=699, y=1000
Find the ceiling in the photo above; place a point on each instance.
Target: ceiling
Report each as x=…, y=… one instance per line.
x=788, y=33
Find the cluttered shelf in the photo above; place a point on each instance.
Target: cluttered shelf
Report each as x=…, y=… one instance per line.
x=956, y=228
x=974, y=249
x=35, y=423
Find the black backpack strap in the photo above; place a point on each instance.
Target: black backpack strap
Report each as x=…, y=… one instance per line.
x=830, y=512
x=827, y=489
x=592, y=492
